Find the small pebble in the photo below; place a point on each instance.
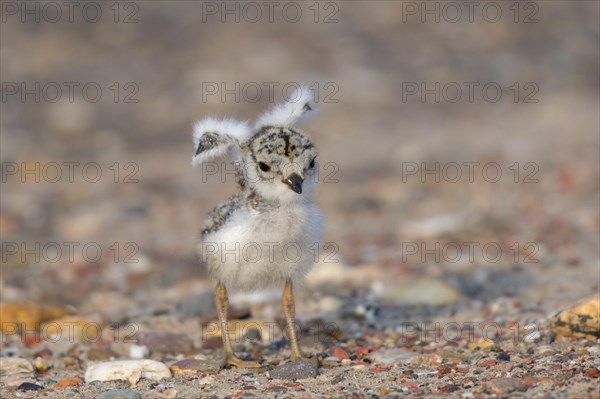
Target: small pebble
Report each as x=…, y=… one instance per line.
x=592, y=373
x=28, y=386
x=545, y=350
x=170, y=393
x=138, y=351
x=503, y=386
x=68, y=382
x=120, y=394
x=449, y=388
x=297, y=370
x=346, y=362
x=15, y=371
x=40, y=364
x=391, y=356
x=15, y=365
x=482, y=343
x=594, y=350
x=533, y=337
x=193, y=366
x=362, y=351
x=127, y=370
x=206, y=380
x=331, y=361
x=340, y=353
x=488, y=363
x=506, y=367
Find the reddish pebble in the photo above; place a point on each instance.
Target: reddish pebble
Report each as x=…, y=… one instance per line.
x=379, y=369
x=362, y=351
x=506, y=367
x=530, y=381
x=68, y=382
x=31, y=340
x=296, y=387
x=449, y=388
x=410, y=383
x=592, y=373
x=340, y=353
x=488, y=363
x=444, y=370
x=237, y=394
x=463, y=370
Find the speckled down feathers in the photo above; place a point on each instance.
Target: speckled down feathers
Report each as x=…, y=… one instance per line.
x=267, y=232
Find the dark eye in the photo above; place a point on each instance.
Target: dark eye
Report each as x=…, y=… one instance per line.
x=264, y=167
x=312, y=163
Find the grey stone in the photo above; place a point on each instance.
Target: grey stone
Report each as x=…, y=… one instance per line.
x=120, y=394
x=28, y=386
x=297, y=370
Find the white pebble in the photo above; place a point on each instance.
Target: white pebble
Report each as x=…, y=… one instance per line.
x=15, y=370
x=391, y=356
x=15, y=365
x=532, y=337
x=138, y=351
x=127, y=370
x=206, y=380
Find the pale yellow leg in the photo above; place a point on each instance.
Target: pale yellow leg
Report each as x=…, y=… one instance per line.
x=229, y=358
x=289, y=309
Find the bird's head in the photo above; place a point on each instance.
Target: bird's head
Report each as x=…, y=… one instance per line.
x=280, y=164
x=276, y=159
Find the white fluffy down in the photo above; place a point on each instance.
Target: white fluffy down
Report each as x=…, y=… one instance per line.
x=233, y=131
x=289, y=113
x=254, y=250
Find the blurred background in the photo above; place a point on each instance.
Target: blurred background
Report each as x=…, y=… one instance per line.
x=438, y=127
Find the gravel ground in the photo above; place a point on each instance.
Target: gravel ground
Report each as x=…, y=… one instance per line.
x=456, y=231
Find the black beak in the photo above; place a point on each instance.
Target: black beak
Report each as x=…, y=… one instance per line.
x=294, y=182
